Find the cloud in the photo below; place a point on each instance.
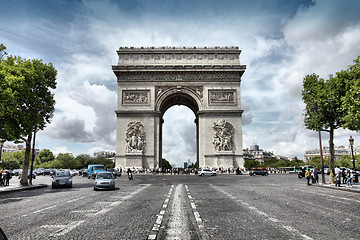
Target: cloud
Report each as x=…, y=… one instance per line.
x=69, y=129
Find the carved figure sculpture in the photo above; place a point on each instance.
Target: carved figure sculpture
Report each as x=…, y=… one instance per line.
x=223, y=136
x=135, y=137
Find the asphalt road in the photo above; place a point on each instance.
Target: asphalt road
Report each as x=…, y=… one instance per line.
x=183, y=207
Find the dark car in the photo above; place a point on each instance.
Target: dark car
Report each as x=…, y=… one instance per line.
x=62, y=179
x=115, y=172
x=47, y=172
x=261, y=172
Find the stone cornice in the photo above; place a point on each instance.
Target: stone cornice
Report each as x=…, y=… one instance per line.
x=167, y=68
x=152, y=50
x=221, y=112
x=136, y=112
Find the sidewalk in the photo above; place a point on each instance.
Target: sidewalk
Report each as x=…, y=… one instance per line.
x=343, y=187
x=17, y=187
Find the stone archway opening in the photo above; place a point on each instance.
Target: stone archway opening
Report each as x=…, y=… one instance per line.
x=183, y=133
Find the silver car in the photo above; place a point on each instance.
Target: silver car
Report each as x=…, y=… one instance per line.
x=104, y=180
x=62, y=179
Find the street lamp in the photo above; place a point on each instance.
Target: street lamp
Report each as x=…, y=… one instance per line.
x=351, y=141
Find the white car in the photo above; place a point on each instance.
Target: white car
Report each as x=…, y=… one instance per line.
x=207, y=171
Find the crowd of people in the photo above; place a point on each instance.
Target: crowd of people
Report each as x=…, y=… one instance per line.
x=4, y=177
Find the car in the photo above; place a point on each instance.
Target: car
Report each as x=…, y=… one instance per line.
x=206, y=172
x=62, y=179
x=47, y=171
x=114, y=172
x=17, y=172
x=39, y=171
x=33, y=175
x=93, y=170
x=104, y=180
x=73, y=172
x=258, y=171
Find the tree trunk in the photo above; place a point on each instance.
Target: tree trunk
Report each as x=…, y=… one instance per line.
x=331, y=160
x=25, y=167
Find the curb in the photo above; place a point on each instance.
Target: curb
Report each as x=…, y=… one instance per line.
x=338, y=188
x=16, y=189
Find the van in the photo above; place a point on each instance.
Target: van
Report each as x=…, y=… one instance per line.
x=95, y=169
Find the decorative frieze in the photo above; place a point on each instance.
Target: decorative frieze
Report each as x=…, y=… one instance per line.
x=222, y=97
x=135, y=97
x=223, y=137
x=183, y=77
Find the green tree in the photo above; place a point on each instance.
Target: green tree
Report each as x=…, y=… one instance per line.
x=26, y=102
x=250, y=163
x=12, y=160
x=44, y=156
x=166, y=164
x=323, y=110
x=83, y=160
x=351, y=100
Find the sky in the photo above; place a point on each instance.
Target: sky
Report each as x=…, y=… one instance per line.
x=281, y=41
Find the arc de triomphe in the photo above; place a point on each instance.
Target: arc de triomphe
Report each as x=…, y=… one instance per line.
x=151, y=80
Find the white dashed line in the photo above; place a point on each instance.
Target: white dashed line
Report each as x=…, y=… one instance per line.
x=287, y=227
x=160, y=216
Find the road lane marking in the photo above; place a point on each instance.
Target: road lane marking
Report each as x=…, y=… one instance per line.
x=75, y=199
x=40, y=210
x=68, y=228
x=199, y=221
x=160, y=216
x=178, y=226
x=290, y=229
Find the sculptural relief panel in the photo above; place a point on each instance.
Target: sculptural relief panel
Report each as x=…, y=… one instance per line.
x=135, y=138
x=136, y=97
x=222, y=97
x=223, y=137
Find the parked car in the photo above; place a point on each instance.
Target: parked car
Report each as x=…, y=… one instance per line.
x=73, y=172
x=206, y=172
x=17, y=172
x=62, y=179
x=257, y=171
x=47, y=172
x=52, y=172
x=39, y=171
x=33, y=175
x=104, y=180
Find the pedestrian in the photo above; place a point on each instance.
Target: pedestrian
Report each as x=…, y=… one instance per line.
x=338, y=179
x=349, y=178
x=343, y=175
x=307, y=176
x=7, y=178
x=316, y=176
x=312, y=176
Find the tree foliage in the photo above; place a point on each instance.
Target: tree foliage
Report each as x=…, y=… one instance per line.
x=332, y=104
x=26, y=101
x=166, y=164
x=351, y=100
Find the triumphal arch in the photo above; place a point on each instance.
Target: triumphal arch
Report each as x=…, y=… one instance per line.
x=151, y=80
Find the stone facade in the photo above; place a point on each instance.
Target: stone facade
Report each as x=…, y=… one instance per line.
x=151, y=80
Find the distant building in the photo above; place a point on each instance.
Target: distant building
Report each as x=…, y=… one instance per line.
x=255, y=153
x=13, y=148
x=339, y=152
x=105, y=154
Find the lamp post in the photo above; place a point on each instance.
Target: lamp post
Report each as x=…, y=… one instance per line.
x=351, y=141
x=1, y=146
